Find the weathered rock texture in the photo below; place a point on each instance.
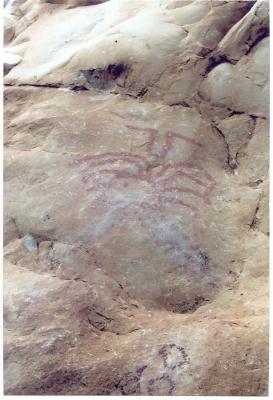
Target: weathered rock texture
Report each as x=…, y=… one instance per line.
x=136, y=194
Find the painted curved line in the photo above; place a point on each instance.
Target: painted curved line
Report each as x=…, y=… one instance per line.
x=177, y=174
x=172, y=200
x=189, y=191
x=171, y=135
x=119, y=155
x=151, y=131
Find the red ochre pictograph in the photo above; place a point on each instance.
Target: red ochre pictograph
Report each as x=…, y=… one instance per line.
x=169, y=182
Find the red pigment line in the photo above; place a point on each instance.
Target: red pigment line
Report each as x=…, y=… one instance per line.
x=141, y=175
x=186, y=164
x=194, y=166
x=186, y=190
x=190, y=165
x=139, y=128
x=174, y=166
x=148, y=206
x=152, y=132
x=112, y=161
x=124, y=174
x=96, y=167
x=165, y=150
x=172, y=135
x=184, y=174
x=212, y=181
x=86, y=178
x=164, y=168
x=101, y=186
x=180, y=202
x=122, y=155
x=92, y=189
x=210, y=178
x=119, y=174
x=145, y=176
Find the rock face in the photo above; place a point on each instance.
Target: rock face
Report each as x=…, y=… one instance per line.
x=136, y=197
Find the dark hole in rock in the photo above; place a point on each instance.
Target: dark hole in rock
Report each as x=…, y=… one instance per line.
x=115, y=70
x=103, y=79
x=187, y=306
x=142, y=92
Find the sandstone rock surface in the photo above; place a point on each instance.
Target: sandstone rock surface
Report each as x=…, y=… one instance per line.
x=136, y=197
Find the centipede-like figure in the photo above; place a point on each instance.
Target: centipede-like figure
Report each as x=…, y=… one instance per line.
x=169, y=182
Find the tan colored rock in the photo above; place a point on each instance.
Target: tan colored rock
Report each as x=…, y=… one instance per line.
x=237, y=131
x=136, y=198
x=243, y=35
x=242, y=87
x=10, y=60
